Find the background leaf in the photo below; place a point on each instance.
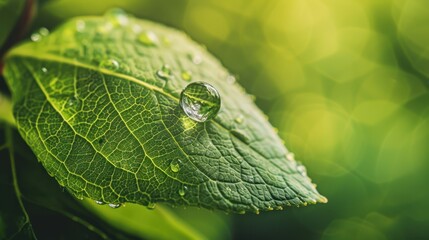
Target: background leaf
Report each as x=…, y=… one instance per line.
x=10, y=13
x=89, y=102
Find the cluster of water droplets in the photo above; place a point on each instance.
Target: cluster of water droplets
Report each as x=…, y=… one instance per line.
x=39, y=34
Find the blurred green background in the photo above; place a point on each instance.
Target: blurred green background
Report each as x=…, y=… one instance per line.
x=346, y=84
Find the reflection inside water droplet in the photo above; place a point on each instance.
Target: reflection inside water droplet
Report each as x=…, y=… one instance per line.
x=100, y=202
x=200, y=101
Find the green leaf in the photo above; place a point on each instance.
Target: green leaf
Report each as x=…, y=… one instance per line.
x=89, y=102
x=10, y=12
x=163, y=223
x=33, y=205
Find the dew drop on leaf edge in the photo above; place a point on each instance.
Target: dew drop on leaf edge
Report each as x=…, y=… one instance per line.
x=151, y=205
x=99, y=202
x=200, y=101
x=115, y=205
x=117, y=17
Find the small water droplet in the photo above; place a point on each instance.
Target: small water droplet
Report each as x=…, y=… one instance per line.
x=80, y=25
x=256, y=211
x=109, y=64
x=269, y=208
x=279, y=208
x=175, y=165
x=240, y=135
x=195, y=58
x=301, y=169
x=151, y=205
x=136, y=28
x=73, y=102
x=117, y=17
x=100, y=202
x=166, y=41
x=35, y=37
x=290, y=156
x=148, y=38
x=44, y=32
x=115, y=205
x=44, y=70
x=230, y=79
x=186, y=75
x=39, y=34
x=239, y=119
x=182, y=191
x=200, y=101
x=312, y=201
x=164, y=72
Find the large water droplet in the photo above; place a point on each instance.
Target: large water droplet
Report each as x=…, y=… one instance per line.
x=200, y=101
x=109, y=64
x=164, y=72
x=175, y=165
x=100, y=202
x=186, y=75
x=115, y=205
x=44, y=70
x=148, y=38
x=151, y=205
x=182, y=191
x=117, y=17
